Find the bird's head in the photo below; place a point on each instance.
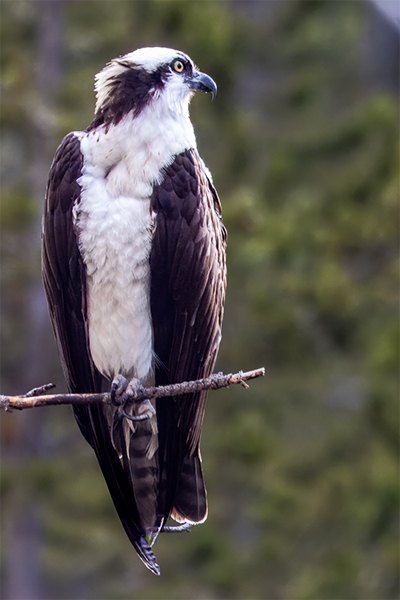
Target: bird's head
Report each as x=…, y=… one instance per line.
x=133, y=81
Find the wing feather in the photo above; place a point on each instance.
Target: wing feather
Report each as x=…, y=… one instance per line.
x=187, y=299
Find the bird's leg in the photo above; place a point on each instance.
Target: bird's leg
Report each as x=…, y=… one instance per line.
x=177, y=528
x=118, y=389
x=124, y=392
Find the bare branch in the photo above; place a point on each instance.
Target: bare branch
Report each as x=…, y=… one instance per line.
x=40, y=390
x=36, y=397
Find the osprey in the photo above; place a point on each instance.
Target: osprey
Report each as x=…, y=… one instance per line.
x=134, y=272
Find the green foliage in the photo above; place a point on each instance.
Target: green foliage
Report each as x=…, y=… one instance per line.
x=301, y=469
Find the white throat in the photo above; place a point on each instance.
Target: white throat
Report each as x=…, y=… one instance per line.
x=132, y=154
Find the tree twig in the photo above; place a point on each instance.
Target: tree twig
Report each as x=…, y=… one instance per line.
x=37, y=396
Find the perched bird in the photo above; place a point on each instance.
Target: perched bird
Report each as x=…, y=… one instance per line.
x=134, y=271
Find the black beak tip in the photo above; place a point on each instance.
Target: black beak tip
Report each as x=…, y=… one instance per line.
x=200, y=82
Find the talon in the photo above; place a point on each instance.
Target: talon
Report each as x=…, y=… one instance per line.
x=133, y=387
x=144, y=411
x=118, y=388
x=144, y=417
x=124, y=393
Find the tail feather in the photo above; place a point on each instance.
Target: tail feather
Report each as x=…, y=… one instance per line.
x=136, y=444
x=142, y=469
x=191, y=497
x=117, y=479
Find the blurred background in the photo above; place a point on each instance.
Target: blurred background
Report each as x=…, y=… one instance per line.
x=302, y=141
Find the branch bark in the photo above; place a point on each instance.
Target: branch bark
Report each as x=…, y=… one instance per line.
x=38, y=397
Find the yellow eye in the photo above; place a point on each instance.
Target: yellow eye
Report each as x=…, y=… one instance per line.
x=179, y=66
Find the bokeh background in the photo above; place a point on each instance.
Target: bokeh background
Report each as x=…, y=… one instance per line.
x=302, y=141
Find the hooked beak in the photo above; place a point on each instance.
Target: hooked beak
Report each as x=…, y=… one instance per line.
x=200, y=82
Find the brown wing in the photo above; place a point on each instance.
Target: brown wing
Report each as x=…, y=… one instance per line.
x=63, y=270
x=64, y=279
x=188, y=279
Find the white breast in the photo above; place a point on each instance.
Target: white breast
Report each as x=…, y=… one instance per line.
x=114, y=224
x=115, y=240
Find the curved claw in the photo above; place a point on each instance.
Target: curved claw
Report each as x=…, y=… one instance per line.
x=124, y=392
x=118, y=388
x=134, y=417
x=144, y=411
